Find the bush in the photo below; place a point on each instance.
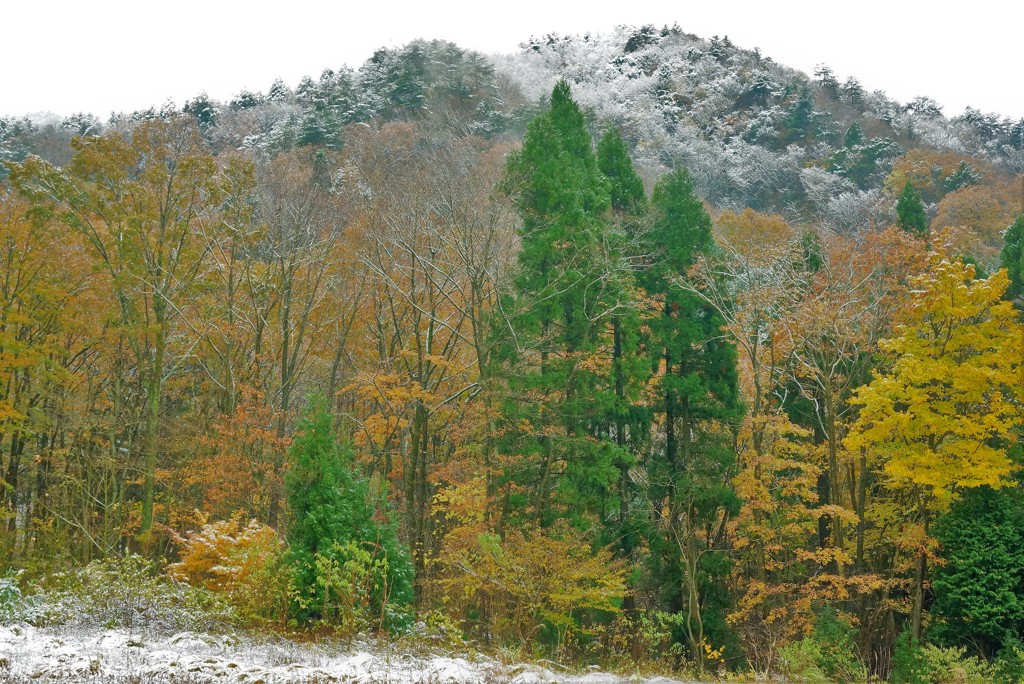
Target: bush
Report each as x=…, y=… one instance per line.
x=129, y=593
x=800, y=661
x=344, y=587
x=243, y=563
x=828, y=654
x=532, y=586
x=1009, y=665
x=16, y=607
x=640, y=640
x=915, y=663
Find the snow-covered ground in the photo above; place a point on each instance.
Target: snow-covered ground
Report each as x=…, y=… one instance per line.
x=29, y=654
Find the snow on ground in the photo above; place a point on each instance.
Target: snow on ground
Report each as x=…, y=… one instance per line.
x=29, y=654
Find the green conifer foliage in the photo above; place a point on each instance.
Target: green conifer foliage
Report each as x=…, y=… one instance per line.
x=910, y=214
x=854, y=136
x=800, y=124
x=979, y=589
x=628, y=421
x=336, y=528
x=626, y=188
x=699, y=400
x=566, y=278
x=1012, y=259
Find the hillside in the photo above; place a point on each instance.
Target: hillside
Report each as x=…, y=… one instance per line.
x=753, y=133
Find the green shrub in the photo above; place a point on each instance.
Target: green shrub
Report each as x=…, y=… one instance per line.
x=799, y=661
x=1009, y=665
x=915, y=663
x=15, y=606
x=828, y=654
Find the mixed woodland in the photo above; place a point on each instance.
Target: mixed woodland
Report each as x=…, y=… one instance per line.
x=638, y=349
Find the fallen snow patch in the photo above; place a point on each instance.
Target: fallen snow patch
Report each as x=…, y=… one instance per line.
x=35, y=654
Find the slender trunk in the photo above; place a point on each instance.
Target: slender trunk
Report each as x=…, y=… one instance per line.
x=862, y=500
x=10, y=488
x=626, y=544
x=834, y=475
x=415, y=485
x=284, y=405
x=154, y=387
x=920, y=574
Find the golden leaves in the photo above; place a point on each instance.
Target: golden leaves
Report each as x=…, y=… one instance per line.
x=941, y=417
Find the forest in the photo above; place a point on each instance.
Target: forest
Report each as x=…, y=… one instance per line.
x=638, y=350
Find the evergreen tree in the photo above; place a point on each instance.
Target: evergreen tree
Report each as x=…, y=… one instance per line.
x=1012, y=259
x=699, y=402
x=979, y=589
x=800, y=126
x=335, y=527
x=331, y=104
x=561, y=291
x=854, y=136
x=1017, y=135
x=626, y=188
x=203, y=109
x=964, y=176
x=629, y=420
x=828, y=81
x=910, y=215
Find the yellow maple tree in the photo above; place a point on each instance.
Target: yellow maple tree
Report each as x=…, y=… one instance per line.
x=941, y=418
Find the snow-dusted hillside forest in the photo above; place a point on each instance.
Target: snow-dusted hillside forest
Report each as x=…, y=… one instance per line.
x=634, y=353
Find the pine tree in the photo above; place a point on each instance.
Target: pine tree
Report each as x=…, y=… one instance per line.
x=910, y=215
x=335, y=528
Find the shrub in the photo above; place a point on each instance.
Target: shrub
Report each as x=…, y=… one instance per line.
x=129, y=593
x=244, y=563
x=915, y=663
x=16, y=607
x=531, y=585
x=640, y=640
x=828, y=654
x=1009, y=665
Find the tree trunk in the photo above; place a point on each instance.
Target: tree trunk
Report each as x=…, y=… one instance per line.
x=154, y=387
x=919, y=575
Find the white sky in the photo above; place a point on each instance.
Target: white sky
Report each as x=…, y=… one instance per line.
x=64, y=57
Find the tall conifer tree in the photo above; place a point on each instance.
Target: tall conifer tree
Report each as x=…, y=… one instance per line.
x=561, y=302
x=628, y=421
x=699, y=405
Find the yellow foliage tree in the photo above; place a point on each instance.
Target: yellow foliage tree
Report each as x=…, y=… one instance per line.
x=523, y=582
x=941, y=418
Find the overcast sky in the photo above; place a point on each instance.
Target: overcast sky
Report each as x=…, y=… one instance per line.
x=107, y=55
